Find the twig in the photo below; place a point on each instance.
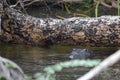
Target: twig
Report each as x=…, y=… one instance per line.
x=28, y=4
x=106, y=63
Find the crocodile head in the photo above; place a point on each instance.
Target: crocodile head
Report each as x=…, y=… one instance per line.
x=80, y=53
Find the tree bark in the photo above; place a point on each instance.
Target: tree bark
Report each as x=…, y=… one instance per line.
x=25, y=29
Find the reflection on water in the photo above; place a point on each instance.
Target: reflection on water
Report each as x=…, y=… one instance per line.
x=34, y=59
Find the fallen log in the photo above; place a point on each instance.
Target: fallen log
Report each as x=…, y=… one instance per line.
x=25, y=29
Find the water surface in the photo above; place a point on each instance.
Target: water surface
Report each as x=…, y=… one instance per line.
x=34, y=59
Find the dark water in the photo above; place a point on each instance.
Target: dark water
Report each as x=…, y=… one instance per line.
x=59, y=12
x=34, y=59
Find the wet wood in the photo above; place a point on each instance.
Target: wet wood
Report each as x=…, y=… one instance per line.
x=26, y=29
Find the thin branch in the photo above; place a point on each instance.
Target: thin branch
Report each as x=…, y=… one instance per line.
x=31, y=2
x=106, y=63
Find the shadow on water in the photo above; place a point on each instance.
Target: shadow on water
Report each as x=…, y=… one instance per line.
x=34, y=59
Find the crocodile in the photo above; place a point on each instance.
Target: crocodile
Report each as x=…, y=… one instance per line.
x=80, y=53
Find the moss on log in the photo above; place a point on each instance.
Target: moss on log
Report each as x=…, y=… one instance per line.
x=26, y=29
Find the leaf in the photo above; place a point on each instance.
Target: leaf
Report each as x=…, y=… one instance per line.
x=67, y=8
x=57, y=67
x=11, y=65
x=52, y=78
x=49, y=70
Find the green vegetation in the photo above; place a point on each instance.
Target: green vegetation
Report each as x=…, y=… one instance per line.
x=118, y=7
x=86, y=7
x=50, y=70
x=81, y=7
x=96, y=8
x=67, y=8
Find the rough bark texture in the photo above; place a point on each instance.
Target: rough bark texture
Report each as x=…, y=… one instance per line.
x=25, y=29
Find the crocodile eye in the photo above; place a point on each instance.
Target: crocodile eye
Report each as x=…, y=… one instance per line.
x=83, y=50
x=74, y=49
x=71, y=57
